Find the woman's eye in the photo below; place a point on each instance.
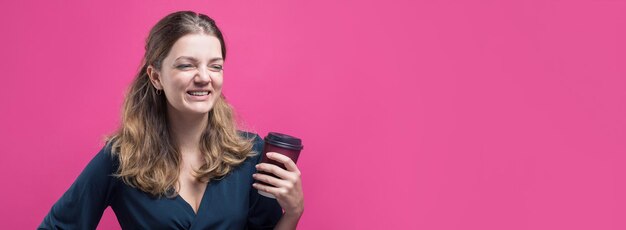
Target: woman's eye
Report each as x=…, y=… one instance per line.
x=183, y=66
x=217, y=67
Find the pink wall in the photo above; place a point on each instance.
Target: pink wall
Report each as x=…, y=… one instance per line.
x=415, y=115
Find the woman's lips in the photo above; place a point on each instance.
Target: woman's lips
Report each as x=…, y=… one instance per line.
x=199, y=95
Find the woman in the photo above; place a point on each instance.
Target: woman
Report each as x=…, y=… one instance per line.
x=178, y=161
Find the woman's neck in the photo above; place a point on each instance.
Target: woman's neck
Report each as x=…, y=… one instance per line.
x=187, y=130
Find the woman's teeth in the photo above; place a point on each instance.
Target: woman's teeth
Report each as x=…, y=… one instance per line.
x=199, y=93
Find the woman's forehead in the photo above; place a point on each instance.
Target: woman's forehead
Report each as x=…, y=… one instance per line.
x=196, y=47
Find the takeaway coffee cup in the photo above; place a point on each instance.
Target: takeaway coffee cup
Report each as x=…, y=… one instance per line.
x=281, y=143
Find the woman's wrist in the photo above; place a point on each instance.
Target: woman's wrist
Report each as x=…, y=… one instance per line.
x=294, y=214
x=289, y=221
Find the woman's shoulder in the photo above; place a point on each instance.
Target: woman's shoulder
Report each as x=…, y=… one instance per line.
x=100, y=169
x=106, y=157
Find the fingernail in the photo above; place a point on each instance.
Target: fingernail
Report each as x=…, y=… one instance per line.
x=269, y=154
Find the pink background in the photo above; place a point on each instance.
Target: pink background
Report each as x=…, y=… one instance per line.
x=414, y=114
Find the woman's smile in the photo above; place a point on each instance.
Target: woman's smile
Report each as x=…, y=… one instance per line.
x=198, y=95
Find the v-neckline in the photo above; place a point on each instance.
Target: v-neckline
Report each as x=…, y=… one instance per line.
x=202, y=201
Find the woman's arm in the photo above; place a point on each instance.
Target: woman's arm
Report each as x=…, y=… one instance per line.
x=288, y=221
x=82, y=205
x=287, y=188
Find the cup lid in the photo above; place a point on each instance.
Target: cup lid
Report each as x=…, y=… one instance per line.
x=284, y=141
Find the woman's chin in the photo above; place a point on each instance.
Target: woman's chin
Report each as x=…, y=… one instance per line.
x=203, y=111
x=193, y=109
x=199, y=108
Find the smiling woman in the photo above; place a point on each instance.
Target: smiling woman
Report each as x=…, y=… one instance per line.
x=177, y=160
x=191, y=74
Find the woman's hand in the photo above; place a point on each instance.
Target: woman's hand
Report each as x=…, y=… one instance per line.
x=287, y=189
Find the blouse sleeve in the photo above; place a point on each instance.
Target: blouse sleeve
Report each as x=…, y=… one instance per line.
x=83, y=204
x=264, y=213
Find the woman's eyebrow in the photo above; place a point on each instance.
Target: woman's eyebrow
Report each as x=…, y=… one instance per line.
x=196, y=60
x=216, y=59
x=186, y=57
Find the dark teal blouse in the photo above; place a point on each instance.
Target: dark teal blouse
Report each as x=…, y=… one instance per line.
x=229, y=203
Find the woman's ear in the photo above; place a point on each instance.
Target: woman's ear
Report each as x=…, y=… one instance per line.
x=155, y=77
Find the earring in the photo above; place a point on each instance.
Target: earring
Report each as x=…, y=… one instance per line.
x=158, y=92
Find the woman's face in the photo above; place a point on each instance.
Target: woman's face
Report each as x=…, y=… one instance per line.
x=191, y=74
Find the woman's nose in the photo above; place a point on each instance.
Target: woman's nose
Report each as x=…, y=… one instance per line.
x=203, y=75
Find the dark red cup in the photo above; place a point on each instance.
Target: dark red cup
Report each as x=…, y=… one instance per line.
x=281, y=143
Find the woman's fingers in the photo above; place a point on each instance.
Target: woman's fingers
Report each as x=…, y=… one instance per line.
x=273, y=169
x=292, y=172
x=287, y=188
x=289, y=164
x=268, y=179
x=277, y=192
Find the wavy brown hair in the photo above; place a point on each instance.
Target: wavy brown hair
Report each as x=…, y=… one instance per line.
x=149, y=158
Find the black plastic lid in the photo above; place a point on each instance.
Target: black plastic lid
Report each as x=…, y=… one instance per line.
x=284, y=141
